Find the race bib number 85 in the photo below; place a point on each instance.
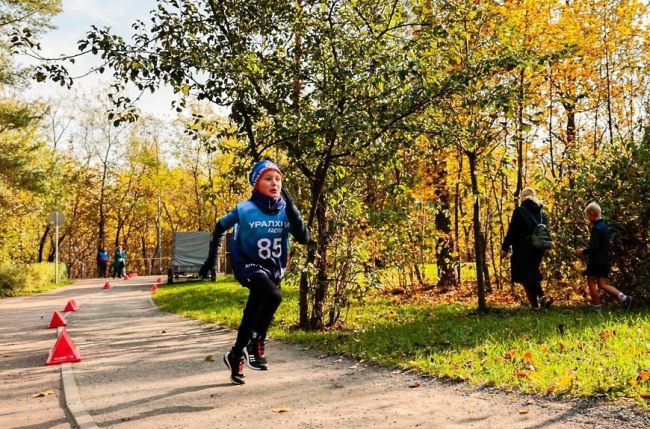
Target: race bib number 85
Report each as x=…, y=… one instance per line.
x=266, y=249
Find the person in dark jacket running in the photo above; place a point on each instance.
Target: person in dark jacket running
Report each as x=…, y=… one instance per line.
x=526, y=259
x=598, y=254
x=259, y=250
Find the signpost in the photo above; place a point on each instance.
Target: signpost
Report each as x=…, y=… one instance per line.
x=56, y=218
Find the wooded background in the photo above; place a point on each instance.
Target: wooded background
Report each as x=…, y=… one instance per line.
x=406, y=130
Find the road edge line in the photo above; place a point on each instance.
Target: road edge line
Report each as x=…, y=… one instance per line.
x=73, y=403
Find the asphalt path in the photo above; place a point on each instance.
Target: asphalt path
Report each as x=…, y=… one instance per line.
x=142, y=368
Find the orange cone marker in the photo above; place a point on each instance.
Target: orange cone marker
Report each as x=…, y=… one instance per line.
x=71, y=306
x=57, y=320
x=64, y=350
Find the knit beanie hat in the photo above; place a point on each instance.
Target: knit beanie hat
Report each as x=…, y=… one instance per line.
x=260, y=168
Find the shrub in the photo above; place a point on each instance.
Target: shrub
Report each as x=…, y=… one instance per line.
x=13, y=279
x=618, y=182
x=18, y=279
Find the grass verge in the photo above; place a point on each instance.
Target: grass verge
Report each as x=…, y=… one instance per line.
x=563, y=351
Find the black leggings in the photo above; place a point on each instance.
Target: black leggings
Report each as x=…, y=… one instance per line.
x=533, y=292
x=263, y=299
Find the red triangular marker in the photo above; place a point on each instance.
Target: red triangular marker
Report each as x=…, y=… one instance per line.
x=158, y=280
x=154, y=287
x=107, y=285
x=71, y=306
x=64, y=350
x=57, y=320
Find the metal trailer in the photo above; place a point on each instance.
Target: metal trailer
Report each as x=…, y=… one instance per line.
x=189, y=251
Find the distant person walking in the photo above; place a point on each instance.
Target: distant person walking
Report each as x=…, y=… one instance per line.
x=526, y=259
x=259, y=250
x=102, y=262
x=598, y=254
x=119, y=262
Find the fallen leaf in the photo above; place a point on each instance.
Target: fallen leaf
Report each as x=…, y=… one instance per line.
x=8, y=355
x=550, y=390
x=126, y=419
x=282, y=410
x=522, y=374
x=605, y=334
x=43, y=394
x=414, y=385
x=216, y=395
x=510, y=354
x=643, y=375
x=524, y=411
x=163, y=332
x=528, y=357
x=209, y=358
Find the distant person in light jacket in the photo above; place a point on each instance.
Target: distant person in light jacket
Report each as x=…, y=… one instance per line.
x=119, y=262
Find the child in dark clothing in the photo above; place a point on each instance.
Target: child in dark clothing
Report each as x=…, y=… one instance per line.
x=599, y=259
x=259, y=253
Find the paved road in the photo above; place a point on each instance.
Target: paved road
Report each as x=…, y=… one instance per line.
x=143, y=368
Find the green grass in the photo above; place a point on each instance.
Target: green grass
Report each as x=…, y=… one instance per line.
x=565, y=351
x=31, y=290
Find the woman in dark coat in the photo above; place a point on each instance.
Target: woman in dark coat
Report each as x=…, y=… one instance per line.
x=526, y=259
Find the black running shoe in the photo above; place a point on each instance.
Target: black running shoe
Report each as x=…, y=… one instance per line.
x=255, y=358
x=546, y=302
x=236, y=366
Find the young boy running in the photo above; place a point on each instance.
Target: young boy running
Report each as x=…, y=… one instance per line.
x=259, y=248
x=599, y=259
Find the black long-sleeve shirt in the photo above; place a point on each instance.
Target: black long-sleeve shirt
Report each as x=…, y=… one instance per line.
x=598, y=251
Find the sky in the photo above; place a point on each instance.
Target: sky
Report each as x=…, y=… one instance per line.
x=72, y=24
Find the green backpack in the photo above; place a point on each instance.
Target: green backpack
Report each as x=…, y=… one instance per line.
x=540, y=237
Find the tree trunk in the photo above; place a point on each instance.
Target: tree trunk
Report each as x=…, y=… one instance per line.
x=322, y=281
x=457, y=208
x=570, y=141
x=550, y=125
x=41, y=244
x=303, y=300
x=476, y=220
x=519, y=140
x=444, y=241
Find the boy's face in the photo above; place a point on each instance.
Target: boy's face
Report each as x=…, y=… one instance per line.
x=270, y=184
x=592, y=217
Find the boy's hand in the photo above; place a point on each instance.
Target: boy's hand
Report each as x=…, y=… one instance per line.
x=579, y=251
